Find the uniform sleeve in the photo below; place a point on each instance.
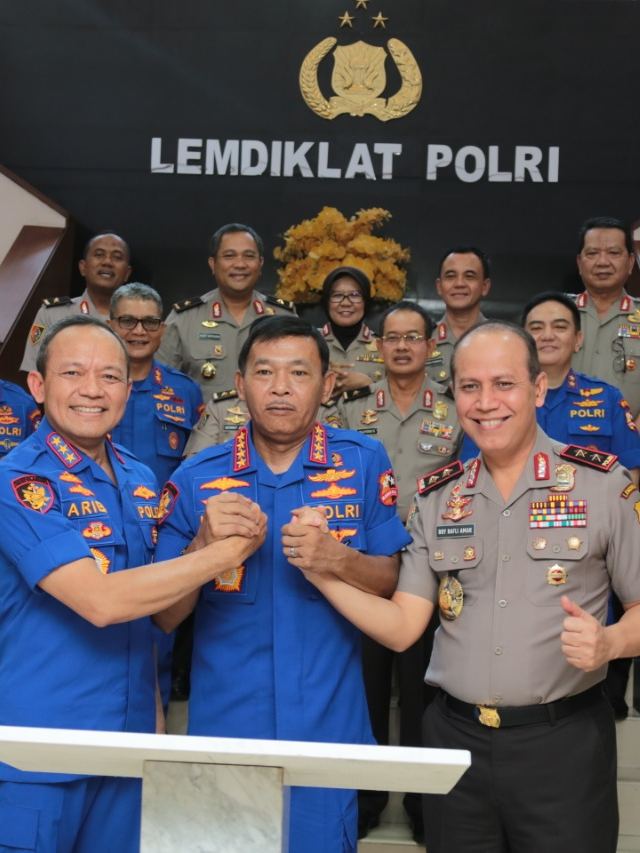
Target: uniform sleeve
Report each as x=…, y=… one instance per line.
x=207, y=432
x=416, y=577
x=625, y=437
x=178, y=521
x=32, y=346
x=196, y=402
x=34, y=534
x=622, y=502
x=385, y=531
x=170, y=350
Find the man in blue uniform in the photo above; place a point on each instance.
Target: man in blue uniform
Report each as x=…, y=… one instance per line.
x=164, y=404
x=19, y=416
x=272, y=658
x=75, y=652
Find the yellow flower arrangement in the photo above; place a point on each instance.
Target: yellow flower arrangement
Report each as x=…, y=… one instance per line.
x=316, y=246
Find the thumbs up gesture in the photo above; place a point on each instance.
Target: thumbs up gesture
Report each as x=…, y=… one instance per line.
x=585, y=642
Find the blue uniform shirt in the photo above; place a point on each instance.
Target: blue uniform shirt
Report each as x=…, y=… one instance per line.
x=157, y=422
x=272, y=658
x=19, y=416
x=56, y=669
x=585, y=411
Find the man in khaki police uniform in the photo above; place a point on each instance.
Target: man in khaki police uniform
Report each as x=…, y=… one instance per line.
x=105, y=265
x=610, y=316
x=416, y=421
x=519, y=550
x=204, y=334
x=226, y=413
x=463, y=280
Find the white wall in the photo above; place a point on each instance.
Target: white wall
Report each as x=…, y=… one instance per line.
x=19, y=208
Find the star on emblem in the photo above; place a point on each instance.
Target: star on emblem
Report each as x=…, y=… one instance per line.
x=346, y=20
x=380, y=21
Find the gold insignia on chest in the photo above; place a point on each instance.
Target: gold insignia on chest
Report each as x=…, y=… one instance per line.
x=457, y=504
x=566, y=477
x=450, y=598
x=440, y=410
x=369, y=416
x=208, y=370
x=556, y=575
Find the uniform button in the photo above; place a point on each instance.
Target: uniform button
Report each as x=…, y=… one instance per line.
x=498, y=650
x=455, y=559
x=506, y=557
x=506, y=513
x=502, y=602
x=497, y=698
x=556, y=549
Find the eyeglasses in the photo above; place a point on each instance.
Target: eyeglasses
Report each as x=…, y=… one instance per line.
x=149, y=324
x=353, y=296
x=410, y=338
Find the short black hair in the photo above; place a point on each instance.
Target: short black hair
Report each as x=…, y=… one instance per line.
x=468, y=250
x=234, y=228
x=533, y=362
x=135, y=290
x=280, y=326
x=605, y=222
x=552, y=296
x=406, y=305
x=68, y=323
x=108, y=232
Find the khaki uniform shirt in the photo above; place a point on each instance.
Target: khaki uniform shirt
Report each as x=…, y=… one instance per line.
x=225, y=413
x=566, y=529
x=439, y=365
x=54, y=309
x=361, y=355
x=203, y=340
x=611, y=348
x=418, y=442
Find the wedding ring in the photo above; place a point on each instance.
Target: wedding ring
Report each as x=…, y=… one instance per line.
x=292, y=552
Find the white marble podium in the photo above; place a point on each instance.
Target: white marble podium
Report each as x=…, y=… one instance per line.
x=222, y=795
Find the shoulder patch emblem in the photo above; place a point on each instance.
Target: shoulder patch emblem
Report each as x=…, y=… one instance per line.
x=168, y=500
x=388, y=489
x=439, y=477
x=590, y=458
x=33, y=492
x=628, y=491
x=37, y=330
x=191, y=302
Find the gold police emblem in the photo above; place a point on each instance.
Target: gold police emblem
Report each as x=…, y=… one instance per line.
x=359, y=78
x=566, y=477
x=369, y=416
x=208, y=370
x=450, y=598
x=556, y=575
x=440, y=410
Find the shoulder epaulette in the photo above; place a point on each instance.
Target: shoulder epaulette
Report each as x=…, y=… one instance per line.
x=357, y=393
x=55, y=301
x=217, y=396
x=590, y=458
x=191, y=302
x=439, y=477
x=281, y=303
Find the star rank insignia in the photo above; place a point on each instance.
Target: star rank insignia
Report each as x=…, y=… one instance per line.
x=439, y=477
x=590, y=458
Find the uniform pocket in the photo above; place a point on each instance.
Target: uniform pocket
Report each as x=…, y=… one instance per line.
x=554, y=567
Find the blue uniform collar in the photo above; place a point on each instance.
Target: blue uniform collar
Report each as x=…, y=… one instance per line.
x=313, y=454
x=72, y=458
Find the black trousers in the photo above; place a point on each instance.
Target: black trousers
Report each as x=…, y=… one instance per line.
x=530, y=789
x=414, y=696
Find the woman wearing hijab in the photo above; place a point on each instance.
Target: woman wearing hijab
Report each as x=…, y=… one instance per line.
x=346, y=297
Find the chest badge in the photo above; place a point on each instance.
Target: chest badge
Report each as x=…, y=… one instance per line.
x=457, y=504
x=208, y=370
x=556, y=575
x=368, y=417
x=450, y=598
x=440, y=411
x=566, y=477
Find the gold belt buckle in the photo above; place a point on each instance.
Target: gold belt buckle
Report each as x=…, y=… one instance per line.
x=488, y=716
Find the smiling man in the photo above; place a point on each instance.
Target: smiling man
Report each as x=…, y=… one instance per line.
x=273, y=659
x=105, y=265
x=204, y=334
x=77, y=513
x=463, y=281
x=518, y=550
x=610, y=316
x=164, y=403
